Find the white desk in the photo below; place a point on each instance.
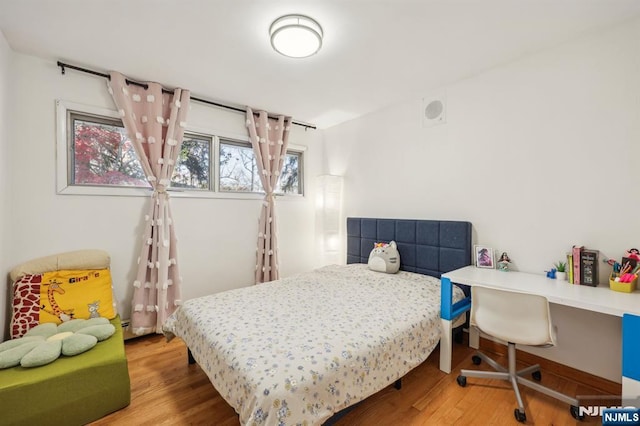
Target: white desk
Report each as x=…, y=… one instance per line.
x=596, y=299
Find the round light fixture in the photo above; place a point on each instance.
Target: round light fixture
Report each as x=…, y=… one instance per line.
x=296, y=36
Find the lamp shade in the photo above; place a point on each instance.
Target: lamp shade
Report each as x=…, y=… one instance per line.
x=296, y=36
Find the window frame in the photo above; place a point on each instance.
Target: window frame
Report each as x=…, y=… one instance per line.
x=247, y=144
x=64, y=151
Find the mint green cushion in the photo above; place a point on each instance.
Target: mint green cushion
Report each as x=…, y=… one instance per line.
x=9, y=344
x=12, y=357
x=95, y=321
x=77, y=344
x=46, y=329
x=101, y=332
x=72, y=325
x=43, y=354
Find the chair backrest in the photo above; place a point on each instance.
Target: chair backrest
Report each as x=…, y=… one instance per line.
x=519, y=318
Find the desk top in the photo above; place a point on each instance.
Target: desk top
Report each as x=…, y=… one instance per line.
x=597, y=299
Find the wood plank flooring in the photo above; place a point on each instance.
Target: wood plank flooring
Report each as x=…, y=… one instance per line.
x=166, y=390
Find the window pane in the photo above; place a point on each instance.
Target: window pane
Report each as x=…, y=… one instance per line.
x=289, y=182
x=239, y=171
x=192, y=167
x=103, y=154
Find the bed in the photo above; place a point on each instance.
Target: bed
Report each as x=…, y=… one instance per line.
x=303, y=348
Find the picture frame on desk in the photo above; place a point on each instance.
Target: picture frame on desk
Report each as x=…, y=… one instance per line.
x=484, y=257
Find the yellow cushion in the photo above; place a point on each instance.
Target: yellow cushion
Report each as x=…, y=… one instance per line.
x=58, y=296
x=68, y=294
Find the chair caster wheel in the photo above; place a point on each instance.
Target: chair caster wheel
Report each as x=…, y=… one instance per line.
x=575, y=413
x=520, y=415
x=476, y=360
x=462, y=381
x=536, y=375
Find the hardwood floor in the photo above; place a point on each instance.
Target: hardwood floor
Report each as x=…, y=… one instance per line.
x=166, y=390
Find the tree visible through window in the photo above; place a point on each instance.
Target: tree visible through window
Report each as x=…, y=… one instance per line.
x=239, y=171
x=192, y=168
x=290, y=178
x=104, y=155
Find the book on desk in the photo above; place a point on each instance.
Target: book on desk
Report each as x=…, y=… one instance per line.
x=589, y=267
x=575, y=252
x=569, y=268
x=584, y=266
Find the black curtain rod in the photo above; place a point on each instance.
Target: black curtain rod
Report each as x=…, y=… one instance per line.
x=63, y=66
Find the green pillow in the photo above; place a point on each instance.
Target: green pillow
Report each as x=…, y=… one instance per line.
x=45, y=353
x=12, y=357
x=78, y=343
x=45, y=342
x=46, y=329
x=72, y=325
x=78, y=323
x=9, y=344
x=101, y=332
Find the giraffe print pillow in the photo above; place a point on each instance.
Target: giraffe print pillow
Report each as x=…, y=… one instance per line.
x=59, y=296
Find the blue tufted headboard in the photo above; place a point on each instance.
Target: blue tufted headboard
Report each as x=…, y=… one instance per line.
x=429, y=247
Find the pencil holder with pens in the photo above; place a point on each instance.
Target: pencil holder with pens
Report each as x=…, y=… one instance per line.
x=624, y=283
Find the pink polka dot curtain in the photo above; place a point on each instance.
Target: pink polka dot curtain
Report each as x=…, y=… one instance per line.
x=269, y=138
x=155, y=123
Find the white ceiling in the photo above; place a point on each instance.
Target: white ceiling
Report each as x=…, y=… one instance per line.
x=375, y=53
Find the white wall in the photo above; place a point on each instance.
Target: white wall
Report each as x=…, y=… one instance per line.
x=5, y=198
x=217, y=237
x=538, y=154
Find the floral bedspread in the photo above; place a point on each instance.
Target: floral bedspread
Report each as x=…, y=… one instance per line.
x=298, y=350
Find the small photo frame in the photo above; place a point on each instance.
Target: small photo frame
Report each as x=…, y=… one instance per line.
x=484, y=257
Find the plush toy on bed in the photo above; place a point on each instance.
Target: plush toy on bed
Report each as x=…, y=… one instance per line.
x=385, y=258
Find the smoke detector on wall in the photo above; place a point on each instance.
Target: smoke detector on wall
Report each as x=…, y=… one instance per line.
x=434, y=111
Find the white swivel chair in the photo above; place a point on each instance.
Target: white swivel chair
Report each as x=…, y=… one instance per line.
x=517, y=319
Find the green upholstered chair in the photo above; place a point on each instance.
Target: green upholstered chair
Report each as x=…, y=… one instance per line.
x=71, y=390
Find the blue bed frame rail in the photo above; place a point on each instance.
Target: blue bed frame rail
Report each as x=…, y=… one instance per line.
x=449, y=310
x=429, y=247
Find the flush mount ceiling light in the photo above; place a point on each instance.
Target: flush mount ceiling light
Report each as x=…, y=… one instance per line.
x=296, y=36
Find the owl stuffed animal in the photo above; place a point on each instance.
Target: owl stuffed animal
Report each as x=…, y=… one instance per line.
x=385, y=258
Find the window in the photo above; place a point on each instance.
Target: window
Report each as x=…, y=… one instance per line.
x=193, y=168
x=95, y=156
x=102, y=154
x=239, y=171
